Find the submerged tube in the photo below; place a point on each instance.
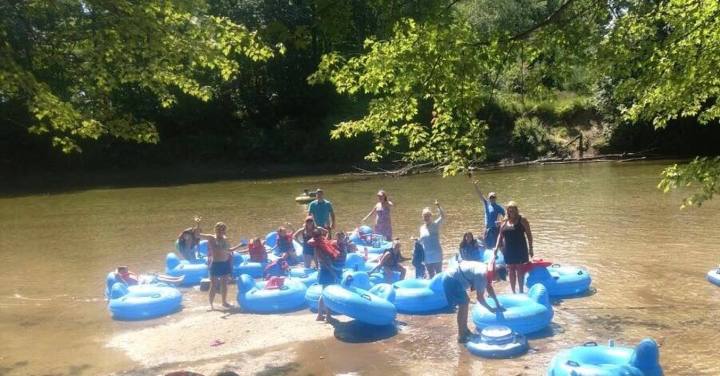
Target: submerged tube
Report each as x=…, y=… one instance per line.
x=560, y=280
x=523, y=313
x=420, y=295
x=591, y=359
x=142, y=302
x=253, y=297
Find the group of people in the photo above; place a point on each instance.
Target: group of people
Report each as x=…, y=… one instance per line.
x=505, y=230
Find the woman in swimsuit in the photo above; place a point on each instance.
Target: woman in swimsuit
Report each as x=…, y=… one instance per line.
x=516, y=241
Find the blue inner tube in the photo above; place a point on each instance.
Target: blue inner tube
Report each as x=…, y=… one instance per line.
x=523, y=313
x=243, y=265
x=368, y=306
x=420, y=295
x=271, y=240
x=312, y=295
x=591, y=359
x=365, y=239
x=253, y=297
x=561, y=281
x=498, y=342
x=305, y=275
x=193, y=272
x=142, y=302
x=714, y=276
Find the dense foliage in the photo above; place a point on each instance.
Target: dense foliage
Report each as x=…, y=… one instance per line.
x=443, y=81
x=76, y=65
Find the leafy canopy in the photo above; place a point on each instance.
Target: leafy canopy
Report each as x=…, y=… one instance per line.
x=430, y=78
x=71, y=62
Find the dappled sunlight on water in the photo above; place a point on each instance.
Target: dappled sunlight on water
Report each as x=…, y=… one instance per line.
x=647, y=258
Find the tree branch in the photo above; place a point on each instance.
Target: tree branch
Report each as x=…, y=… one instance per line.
x=550, y=19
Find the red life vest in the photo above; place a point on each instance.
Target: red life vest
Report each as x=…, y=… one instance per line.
x=323, y=245
x=128, y=278
x=257, y=253
x=535, y=263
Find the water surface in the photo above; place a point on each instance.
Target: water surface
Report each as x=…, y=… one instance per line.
x=647, y=259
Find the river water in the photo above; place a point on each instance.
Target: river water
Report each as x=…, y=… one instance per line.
x=647, y=257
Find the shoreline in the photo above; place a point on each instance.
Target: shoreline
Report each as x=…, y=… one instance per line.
x=57, y=182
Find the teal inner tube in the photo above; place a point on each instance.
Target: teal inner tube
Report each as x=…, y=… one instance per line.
x=591, y=359
x=524, y=314
x=418, y=296
x=498, y=342
x=253, y=297
x=372, y=306
x=560, y=281
x=142, y=302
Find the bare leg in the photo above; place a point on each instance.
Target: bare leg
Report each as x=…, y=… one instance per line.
x=214, y=282
x=462, y=320
x=223, y=291
x=307, y=261
x=512, y=271
x=321, y=310
x=402, y=272
x=388, y=273
x=521, y=278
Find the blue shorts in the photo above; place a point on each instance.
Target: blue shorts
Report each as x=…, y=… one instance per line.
x=220, y=269
x=454, y=292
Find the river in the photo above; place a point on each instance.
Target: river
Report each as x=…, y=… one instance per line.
x=647, y=257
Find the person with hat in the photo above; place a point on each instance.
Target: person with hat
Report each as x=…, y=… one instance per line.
x=473, y=275
x=493, y=216
x=322, y=212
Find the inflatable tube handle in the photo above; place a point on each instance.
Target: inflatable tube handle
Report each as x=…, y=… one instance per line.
x=365, y=296
x=580, y=272
x=590, y=344
x=572, y=363
x=555, y=265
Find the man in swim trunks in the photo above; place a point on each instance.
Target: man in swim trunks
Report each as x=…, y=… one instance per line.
x=220, y=262
x=475, y=276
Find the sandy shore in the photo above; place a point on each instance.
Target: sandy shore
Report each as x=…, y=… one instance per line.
x=206, y=335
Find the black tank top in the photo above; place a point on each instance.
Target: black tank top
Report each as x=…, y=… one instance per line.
x=514, y=236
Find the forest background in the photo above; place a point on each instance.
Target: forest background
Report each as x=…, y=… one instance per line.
x=117, y=85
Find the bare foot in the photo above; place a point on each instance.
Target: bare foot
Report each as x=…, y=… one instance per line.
x=226, y=305
x=320, y=318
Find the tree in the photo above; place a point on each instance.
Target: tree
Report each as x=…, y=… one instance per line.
x=71, y=62
x=430, y=78
x=665, y=57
